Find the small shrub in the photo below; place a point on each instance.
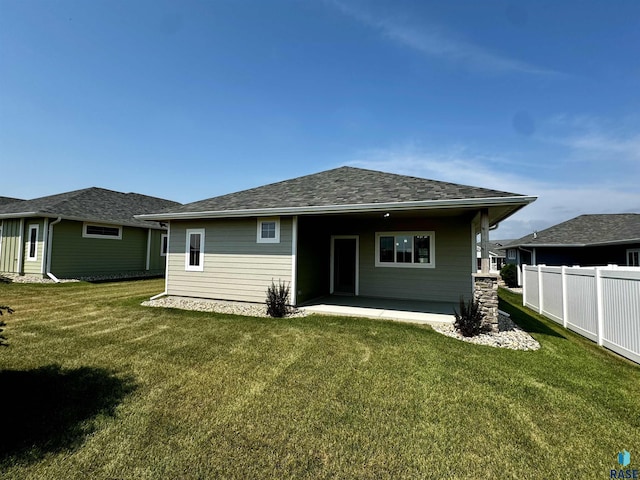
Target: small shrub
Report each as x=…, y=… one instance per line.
x=278, y=300
x=3, y=339
x=509, y=274
x=469, y=320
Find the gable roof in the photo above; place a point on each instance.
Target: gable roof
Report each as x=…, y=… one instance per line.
x=344, y=189
x=7, y=200
x=89, y=204
x=586, y=230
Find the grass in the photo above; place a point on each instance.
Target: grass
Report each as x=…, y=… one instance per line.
x=95, y=386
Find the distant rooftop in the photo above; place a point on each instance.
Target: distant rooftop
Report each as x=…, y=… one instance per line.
x=587, y=230
x=93, y=204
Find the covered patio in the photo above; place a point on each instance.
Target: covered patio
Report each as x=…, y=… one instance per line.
x=409, y=311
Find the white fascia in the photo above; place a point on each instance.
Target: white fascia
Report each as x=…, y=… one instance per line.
x=355, y=208
x=77, y=219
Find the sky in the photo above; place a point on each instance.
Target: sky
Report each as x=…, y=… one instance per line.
x=188, y=100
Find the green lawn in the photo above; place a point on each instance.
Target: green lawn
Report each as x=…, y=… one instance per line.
x=95, y=386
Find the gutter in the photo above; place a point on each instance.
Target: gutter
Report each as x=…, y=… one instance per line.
x=350, y=208
x=49, y=248
x=102, y=221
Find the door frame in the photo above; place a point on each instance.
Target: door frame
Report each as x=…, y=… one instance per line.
x=356, y=266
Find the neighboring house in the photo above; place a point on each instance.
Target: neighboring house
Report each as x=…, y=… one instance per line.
x=587, y=240
x=88, y=232
x=346, y=231
x=496, y=255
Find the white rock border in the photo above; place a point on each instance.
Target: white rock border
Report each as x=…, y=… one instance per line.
x=509, y=335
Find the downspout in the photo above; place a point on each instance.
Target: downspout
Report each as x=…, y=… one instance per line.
x=49, y=248
x=43, y=260
x=21, y=249
x=148, y=249
x=520, y=272
x=294, y=253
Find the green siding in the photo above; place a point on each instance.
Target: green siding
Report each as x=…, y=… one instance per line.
x=10, y=247
x=156, y=261
x=73, y=255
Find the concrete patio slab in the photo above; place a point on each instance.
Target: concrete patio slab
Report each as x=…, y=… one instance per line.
x=409, y=311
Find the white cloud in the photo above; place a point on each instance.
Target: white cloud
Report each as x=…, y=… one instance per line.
x=557, y=200
x=433, y=41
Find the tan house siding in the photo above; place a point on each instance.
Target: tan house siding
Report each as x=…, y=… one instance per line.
x=235, y=266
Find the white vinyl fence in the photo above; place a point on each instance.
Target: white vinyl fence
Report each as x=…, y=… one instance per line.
x=600, y=303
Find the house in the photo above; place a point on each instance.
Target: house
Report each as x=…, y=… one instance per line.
x=496, y=255
x=88, y=232
x=346, y=231
x=587, y=240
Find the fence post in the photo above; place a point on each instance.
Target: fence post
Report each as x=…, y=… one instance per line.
x=540, y=290
x=565, y=307
x=599, y=306
x=524, y=285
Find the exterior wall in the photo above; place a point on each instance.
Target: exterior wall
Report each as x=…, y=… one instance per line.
x=156, y=261
x=450, y=278
x=33, y=267
x=74, y=255
x=313, y=258
x=235, y=266
x=454, y=257
x=584, y=256
x=10, y=247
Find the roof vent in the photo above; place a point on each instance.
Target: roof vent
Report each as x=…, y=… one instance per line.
x=535, y=234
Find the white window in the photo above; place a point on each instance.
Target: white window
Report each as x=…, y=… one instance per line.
x=633, y=257
x=268, y=230
x=32, y=244
x=163, y=244
x=96, y=230
x=194, y=253
x=511, y=254
x=405, y=249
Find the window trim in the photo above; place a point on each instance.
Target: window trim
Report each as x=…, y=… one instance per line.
x=413, y=234
x=187, y=252
x=259, y=238
x=102, y=237
x=511, y=253
x=34, y=258
x=163, y=251
x=629, y=252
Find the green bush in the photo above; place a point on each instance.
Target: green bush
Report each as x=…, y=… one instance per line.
x=469, y=320
x=509, y=274
x=278, y=300
x=3, y=342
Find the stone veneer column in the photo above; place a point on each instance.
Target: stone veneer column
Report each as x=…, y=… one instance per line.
x=485, y=292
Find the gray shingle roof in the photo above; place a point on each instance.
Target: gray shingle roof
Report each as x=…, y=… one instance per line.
x=340, y=186
x=92, y=204
x=7, y=200
x=587, y=230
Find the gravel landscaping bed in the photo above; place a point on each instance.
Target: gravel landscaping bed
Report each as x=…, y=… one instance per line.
x=509, y=336
x=219, y=306
x=15, y=278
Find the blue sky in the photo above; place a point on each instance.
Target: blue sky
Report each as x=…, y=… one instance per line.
x=192, y=99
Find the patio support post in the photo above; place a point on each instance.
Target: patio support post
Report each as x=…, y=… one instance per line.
x=485, y=292
x=485, y=263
